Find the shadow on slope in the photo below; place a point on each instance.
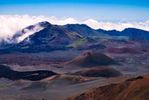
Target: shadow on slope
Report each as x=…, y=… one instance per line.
x=6, y=72
x=99, y=72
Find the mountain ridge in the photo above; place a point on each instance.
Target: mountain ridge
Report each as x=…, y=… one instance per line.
x=48, y=37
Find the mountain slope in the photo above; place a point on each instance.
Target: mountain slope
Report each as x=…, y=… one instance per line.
x=54, y=37
x=44, y=36
x=81, y=29
x=98, y=72
x=91, y=59
x=132, y=89
x=132, y=33
x=27, y=31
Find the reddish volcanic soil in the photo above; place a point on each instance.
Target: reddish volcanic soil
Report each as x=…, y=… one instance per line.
x=91, y=59
x=131, y=89
x=99, y=72
x=123, y=50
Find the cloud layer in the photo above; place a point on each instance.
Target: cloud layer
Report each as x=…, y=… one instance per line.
x=10, y=24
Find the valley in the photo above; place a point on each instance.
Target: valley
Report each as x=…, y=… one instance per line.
x=74, y=62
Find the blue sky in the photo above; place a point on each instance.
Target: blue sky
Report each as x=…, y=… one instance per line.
x=105, y=10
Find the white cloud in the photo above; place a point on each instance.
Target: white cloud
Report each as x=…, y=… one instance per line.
x=28, y=32
x=10, y=24
x=117, y=25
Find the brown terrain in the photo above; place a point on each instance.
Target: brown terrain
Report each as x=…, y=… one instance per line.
x=99, y=72
x=91, y=59
x=82, y=76
x=131, y=89
x=124, y=50
x=75, y=62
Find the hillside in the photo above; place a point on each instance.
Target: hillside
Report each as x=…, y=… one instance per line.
x=91, y=59
x=132, y=89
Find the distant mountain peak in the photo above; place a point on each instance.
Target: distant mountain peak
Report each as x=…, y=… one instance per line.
x=26, y=32
x=45, y=24
x=134, y=29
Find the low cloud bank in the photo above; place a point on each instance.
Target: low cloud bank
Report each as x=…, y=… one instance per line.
x=10, y=24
